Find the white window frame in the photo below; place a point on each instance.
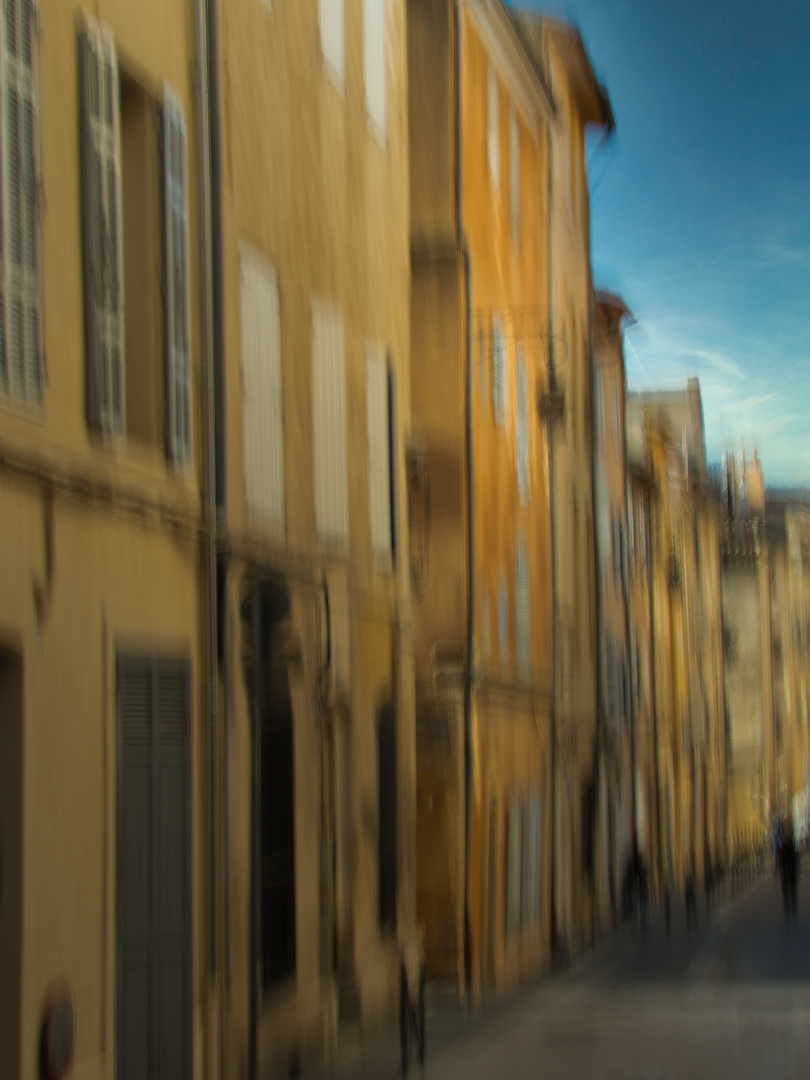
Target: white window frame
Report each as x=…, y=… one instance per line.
x=522, y=606
x=498, y=370
x=514, y=175
x=332, y=32
x=101, y=136
x=503, y=619
x=262, y=388
x=493, y=137
x=522, y=427
x=21, y=367
x=379, y=451
x=329, y=426
x=177, y=361
x=375, y=61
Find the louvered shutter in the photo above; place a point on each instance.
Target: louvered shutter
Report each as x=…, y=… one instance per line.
x=522, y=426
x=374, y=57
x=378, y=449
x=332, y=40
x=329, y=420
x=493, y=145
x=392, y=460
x=19, y=197
x=263, y=415
x=502, y=617
x=534, y=875
x=175, y=227
x=522, y=605
x=154, y=870
x=103, y=254
x=514, y=176
x=498, y=371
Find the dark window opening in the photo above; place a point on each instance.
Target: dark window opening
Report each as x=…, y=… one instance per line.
x=387, y=822
x=278, y=923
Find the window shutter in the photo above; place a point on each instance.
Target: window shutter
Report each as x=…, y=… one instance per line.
x=493, y=147
x=329, y=420
x=484, y=623
x=263, y=417
x=522, y=605
x=498, y=371
x=19, y=204
x=379, y=471
x=502, y=618
x=514, y=175
x=331, y=20
x=523, y=439
x=103, y=255
x=392, y=460
x=175, y=226
x=374, y=56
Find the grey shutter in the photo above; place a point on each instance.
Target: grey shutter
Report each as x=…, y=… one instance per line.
x=329, y=419
x=523, y=434
x=171, y=996
x=379, y=470
x=154, y=871
x=19, y=203
x=392, y=459
x=498, y=371
x=522, y=605
x=134, y=887
x=103, y=253
x=175, y=226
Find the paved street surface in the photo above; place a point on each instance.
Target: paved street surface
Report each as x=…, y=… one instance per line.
x=731, y=999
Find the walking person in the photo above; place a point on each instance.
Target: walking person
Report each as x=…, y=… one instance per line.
x=789, y=866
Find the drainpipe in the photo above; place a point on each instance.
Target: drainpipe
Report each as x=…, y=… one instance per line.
x=600, y=717
x=653, y=666
x=201, y=43
x=548, y=412
x=222, y=565
x=470, y=479
x=628, y=628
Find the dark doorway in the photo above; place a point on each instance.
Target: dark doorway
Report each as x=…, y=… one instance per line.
x=154, y=896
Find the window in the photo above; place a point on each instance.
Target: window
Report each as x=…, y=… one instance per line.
x=514, y=176
x=20, y=353
x=178, y=370
x=482, y=359
x=522, y=606
x=262, y=390
x=329, y=420
x=502, y=637
x=617, y=432
x=522, y=428
x=513, y=822
x=387, y=817
x=381, y=418
x=331, y=23
x=484, y=623
x=278, y=921
x=374, y=55
x=498, y=371
x=534, y=859
x=493, y=147
x=132, y=317
x=103, y=254
x=600, y=406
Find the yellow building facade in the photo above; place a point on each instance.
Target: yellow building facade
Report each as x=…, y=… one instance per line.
x=103, y=704
x=317, y=664
x=620, y=774
x=580, y=102
x=480, y=115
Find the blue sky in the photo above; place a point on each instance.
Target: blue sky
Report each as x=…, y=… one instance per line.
x=701, y=208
